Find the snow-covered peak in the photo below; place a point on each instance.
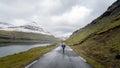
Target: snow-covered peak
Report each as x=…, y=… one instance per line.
x=5, y=25
x=31, y=27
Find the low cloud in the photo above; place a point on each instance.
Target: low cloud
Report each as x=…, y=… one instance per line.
x=76, y=14
x=59, y=17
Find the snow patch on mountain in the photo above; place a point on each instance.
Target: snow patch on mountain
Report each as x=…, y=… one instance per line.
x=5, y=25
x=31, y=27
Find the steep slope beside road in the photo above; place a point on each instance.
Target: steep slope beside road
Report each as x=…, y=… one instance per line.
x=100, y=40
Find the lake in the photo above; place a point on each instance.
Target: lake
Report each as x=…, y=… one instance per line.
x=12, y=49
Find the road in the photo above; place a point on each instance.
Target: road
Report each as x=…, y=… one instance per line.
x=56, y=59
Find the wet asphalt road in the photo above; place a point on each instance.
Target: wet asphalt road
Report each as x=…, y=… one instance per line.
x=56, y=59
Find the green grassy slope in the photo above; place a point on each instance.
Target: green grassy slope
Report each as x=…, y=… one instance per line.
x=99, y=41
x=20, y=37
x=22, y=59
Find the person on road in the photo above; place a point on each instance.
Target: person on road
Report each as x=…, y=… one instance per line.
x=63, y=47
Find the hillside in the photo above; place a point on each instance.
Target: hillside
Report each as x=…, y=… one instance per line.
x=99, y=41
x=25, y=37
x=27, y=33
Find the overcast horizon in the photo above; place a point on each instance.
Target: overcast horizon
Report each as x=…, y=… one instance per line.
x=59, y=17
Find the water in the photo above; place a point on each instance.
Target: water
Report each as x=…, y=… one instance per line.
x=12, y=49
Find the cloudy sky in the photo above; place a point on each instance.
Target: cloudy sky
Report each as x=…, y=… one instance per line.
x=59, y=17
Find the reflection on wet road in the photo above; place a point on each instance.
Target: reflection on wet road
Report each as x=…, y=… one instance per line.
x=56, y=59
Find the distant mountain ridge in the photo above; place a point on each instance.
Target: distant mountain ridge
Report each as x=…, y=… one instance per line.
x=5, y=25
x=32, y=27
x=31, y=33
x=100, y=40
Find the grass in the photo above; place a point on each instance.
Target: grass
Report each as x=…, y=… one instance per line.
x=100, y=50
x=17, y=36
x=2, y=45
x=89, y=60
x=115, y=24
x=100, y=42
x=102, y=25
x=24, y=58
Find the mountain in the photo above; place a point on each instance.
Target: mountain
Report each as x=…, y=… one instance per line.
x=4, y=25
x=24, y=37
x=99, y=41
x=31, y=33
x=31, y=27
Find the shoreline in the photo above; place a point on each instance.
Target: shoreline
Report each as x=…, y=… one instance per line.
x=25, y=58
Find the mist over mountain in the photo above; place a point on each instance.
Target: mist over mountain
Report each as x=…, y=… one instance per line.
x=32, y=27
x=5, y=25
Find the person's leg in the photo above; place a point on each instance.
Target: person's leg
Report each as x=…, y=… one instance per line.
x=63, y=50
